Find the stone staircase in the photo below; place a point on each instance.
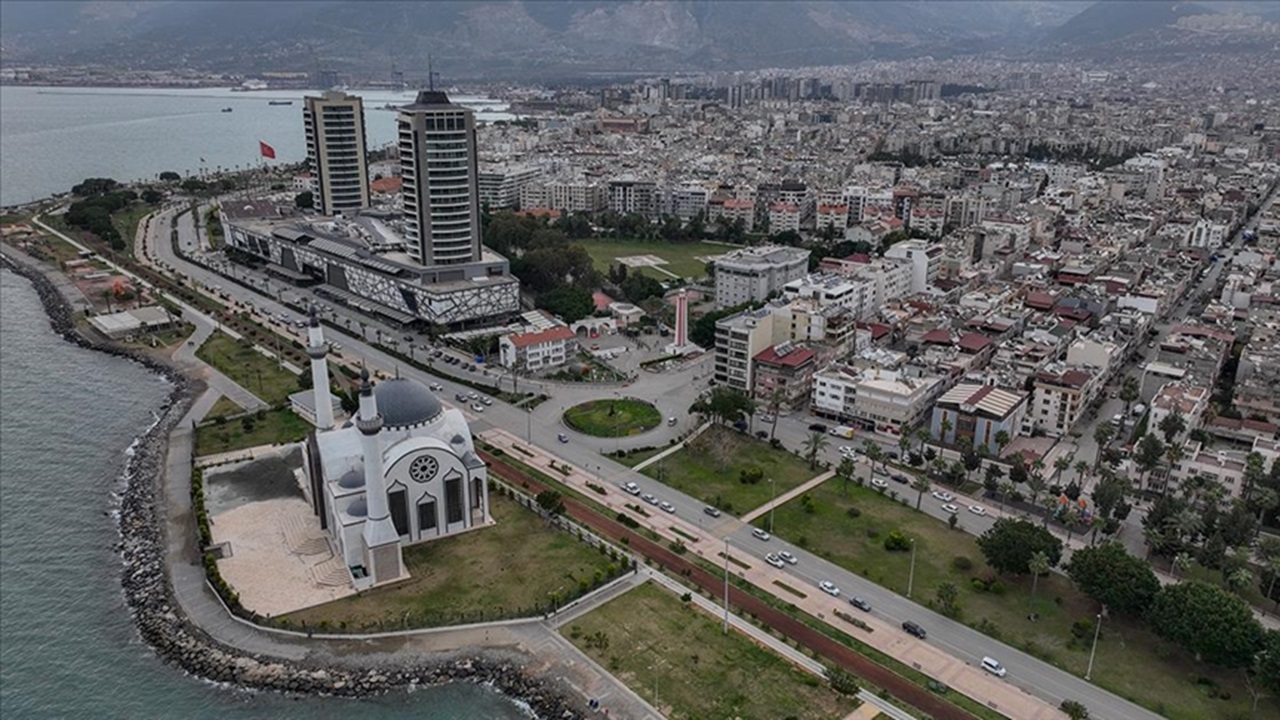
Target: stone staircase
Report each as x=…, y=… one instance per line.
x=304, y=538
x=331, y=572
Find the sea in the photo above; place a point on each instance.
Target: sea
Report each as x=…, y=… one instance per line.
x=53, y=137
x=68, y=417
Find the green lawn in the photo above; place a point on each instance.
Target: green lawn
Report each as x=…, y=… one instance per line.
x=1131, y=661
x=508, y=570
x=681, y=257
x=613, y=417
x=126, y=222
x=224, y=407
x=658, y=645
x=273, y=428
x=249, y=368
x=708, y=468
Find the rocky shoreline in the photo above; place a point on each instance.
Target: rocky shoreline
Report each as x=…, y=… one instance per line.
x=161, y=622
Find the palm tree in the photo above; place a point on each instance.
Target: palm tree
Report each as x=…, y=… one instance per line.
x=1181, y=563
x=1049, y=504
x=845, y=470
x=945, y=429
x=1129, y=392
x=1186, y=525
x=873, y=452
x=1062, y=464
x=1101, y=435
x=1240, y=578
x=904, y=446
x=1006, y=489
x=1038, y=565
x=776, y=398
x=1002, y=440
x=920, y=485
x=922, y=434
x=1070, y=518
x=813, y=445
x=1172, y=454
x=1081, y=468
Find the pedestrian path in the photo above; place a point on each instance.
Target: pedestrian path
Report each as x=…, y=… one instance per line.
x=673, y=449
x=788, y=496
x=236, y=455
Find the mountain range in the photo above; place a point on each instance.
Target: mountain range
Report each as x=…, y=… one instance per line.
x=523, y=39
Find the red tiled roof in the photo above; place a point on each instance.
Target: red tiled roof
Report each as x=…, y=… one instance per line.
x=601, y=301
x=974, y=342
x=560, y=332
x=937, y=336
x=861, y=258
x=795, y=358
x=1039, y=300
x=386, y=185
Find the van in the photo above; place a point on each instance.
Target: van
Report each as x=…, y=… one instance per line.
x=994, y=667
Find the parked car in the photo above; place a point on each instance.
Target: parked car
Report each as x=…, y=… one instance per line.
x=774, y=560
x=878, y=481
x=713, y=512
x=994, y=667
x=829, y=588
x=949, y=508
x=477, y=407
x=859, y=603
x=436, y=387
x=899, y=478
x=788, y=557
x=562, y=438
x=977, y=510
x=914, y=629
x=671, y=421
x=485, y=399
x=631, y=488
x=461, y=397
x=649, y=498
x=473, y=395
x=760, y=534
x=817, y=427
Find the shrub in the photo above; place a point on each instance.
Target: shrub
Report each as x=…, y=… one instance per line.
x=960, y=563
x=853, y=512
x=750, y=475
x=896, y=541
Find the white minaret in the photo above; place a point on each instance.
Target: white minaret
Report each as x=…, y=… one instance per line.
x=317, y=350
x=382, y=544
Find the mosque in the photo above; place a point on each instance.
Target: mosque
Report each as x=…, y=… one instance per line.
x=403, y=471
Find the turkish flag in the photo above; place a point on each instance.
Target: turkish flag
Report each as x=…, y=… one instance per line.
x=266, y=150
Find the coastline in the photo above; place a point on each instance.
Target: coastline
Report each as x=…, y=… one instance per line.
x=148, y=592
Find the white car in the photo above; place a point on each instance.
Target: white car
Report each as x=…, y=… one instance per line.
x=667, y=507
x=846, y=450
x=774, y=560
x=472, y=394
x=631, y=488
x=485, y=399
x=788, y=557
x=943, y=495
x=436, y=387
x=879, y=482
x=649, y=499
x=477, y=407
x=949, y=508
x=977, y=510
x=759, y=534
x=829, y=588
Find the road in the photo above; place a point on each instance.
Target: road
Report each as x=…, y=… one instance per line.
x=672, y=394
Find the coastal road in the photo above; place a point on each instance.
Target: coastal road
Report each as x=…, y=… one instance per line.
x=674, y=394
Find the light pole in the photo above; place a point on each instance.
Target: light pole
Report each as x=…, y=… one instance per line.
x=528, y=426
x=772, y=502
x=1097, y=629
x=726, y=584
x=911, y=576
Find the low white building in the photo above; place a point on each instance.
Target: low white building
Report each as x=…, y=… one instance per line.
x=875, y=399
x=752, y=274
x=539, y=350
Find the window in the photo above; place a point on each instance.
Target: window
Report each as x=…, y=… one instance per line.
x=399, y=511
x=453, y=500
x=427, y=516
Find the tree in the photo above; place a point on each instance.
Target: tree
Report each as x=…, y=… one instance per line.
x=569, y=302
x=1018, y=470
x=1101, y=435
x=1009, y=545
x=991, y=479
x=94, y=186
x=1180, y=564
x=151, y=196
x=921, y=486
x=1038, y=565
x=1081, y=467
x=873, y=452
x=1114, y=578
x=1254, y=474
x=944, y=431
x=1267, y=667
x=1002, y=440
x=169, y=176
x=1211, y=623
x=813, y=445
x=1149, y=453
x=724, y=405
x=776, y=399
x=551, y=502
x=845, y=471
x=948, y=596
x=1074, y=709
x=305, y=200
x=971, y=461
x=1172, y=425
x=639, y=287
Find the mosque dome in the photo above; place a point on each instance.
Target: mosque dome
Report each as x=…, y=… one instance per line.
x=351, y=480
x=358, y=509
x=406, y=403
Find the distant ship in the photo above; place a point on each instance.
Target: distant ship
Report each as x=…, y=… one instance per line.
x=280, y=102
x=226, y=109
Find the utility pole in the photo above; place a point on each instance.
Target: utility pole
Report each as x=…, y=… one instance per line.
x=912, y=576
x=1097, y=629
x=726, y=584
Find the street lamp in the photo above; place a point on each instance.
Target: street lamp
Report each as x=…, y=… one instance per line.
x=911, y=576
x=1097, y=629
x=726, y=584
x=773, y=487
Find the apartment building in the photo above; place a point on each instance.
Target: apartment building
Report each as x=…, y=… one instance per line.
x=686, y=201
x=334, y=124
x=854, y=294
x=787, y=369
x=976, y=414
x=500, y=185
x=835, y=217
x=874, y=399
x=1061, y=394
x=731, y=210
x=925, y=259
x=753, y=274
x=638, y=197
x=784, y=217
x=890, y=277
x=739, y=339
x=1220, y=465
x=540, y=350
x=1190, y=401
x=439, y=191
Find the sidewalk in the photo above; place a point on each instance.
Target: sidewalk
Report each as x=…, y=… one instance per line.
x=967, y=679
x=673, y=449
x=788, y=496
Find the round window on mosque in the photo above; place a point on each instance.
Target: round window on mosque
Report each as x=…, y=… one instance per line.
x=423, y=469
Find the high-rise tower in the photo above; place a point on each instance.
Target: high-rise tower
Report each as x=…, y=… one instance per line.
x=438, y=168
x=336, y=152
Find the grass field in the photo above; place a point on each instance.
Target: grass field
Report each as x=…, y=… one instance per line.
x=275, y=427
x=1131, y=661
x=249, y=368
x=613, y=418
x=126, y=222
x=658, y=645
x=225, y=406
x=681, y=257
x=708, y=468
x=505, y=570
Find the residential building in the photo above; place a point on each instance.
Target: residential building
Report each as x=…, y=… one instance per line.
x=976, y=414
x=1187, y=400
x=855, y=295
x=686, y=201
x=784, y=217
x=440, y=194
x=334, y=124
x=1220, y=465
x=638, y=197
x=926, y=261
x=753, y=274
x=539, y=350
x=786, y=369
x=832, y=216
x=875, y=399
x=499, y=186
x=739, y=339
x=1061, y=394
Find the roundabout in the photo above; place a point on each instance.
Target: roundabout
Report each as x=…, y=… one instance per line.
x=615, y=417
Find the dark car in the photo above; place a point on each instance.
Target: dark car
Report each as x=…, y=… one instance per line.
x=861, y=604
x=817, y=427
x=899, y=478
x=914, y=629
